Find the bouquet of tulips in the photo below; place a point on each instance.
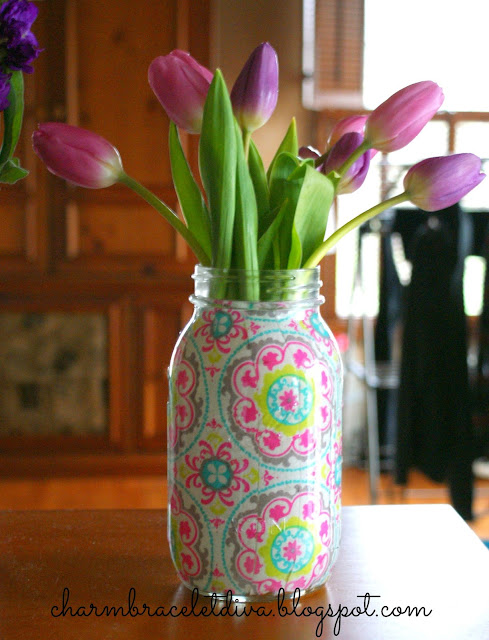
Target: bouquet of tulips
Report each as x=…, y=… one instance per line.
x=248, y=217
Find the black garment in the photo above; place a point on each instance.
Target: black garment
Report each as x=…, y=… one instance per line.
x=480, y=386
x=390, y=290
x=434, y=431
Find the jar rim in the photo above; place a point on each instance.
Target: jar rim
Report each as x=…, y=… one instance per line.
x=233, y=270
x=250, y=286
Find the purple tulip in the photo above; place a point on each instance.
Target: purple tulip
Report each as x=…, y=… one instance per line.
x=255, y=92
x=308, y=152
x=77, y=155
x=401, y=117
x=437, y=183
x=342, y=150
x=347, y=125
x=181, y=85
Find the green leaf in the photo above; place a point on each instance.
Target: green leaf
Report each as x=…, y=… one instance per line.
x=265, y=243
x=295, y=255
x=11, y=171
x=246, y=223
x=12, y=118
x=217, y=162
x=285, y=164
x=191, y=201
x=289, y=144
x=291, y=193
x=260, y=185
x=311, y=214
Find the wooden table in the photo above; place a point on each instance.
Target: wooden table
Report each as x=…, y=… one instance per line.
x=403, y=556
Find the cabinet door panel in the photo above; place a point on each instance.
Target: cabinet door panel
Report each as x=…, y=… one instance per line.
x=115, y=43
x=109, y=48
x=13, y=229
x=112, y=230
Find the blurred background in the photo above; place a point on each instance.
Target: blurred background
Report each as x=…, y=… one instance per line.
x=94, y=286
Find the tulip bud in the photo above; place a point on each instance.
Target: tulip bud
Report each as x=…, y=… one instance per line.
x=181, y=85
x=347, y=125
x=437, y=183
x=342, y=150
x=77, y=155
x=308, y=152
x=401, y=117
x=255, y=92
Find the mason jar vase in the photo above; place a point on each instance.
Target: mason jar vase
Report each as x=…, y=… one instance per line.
x=254, y=436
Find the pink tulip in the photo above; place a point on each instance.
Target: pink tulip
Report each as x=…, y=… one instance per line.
x=181, y=85
x=342, y=150
x=347, y=125
x=401, y=117
x=77, y=155
x=255, y=92
x=437, y=183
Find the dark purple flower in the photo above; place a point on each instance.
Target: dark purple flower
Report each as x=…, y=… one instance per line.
x=339, y=154
x=21, y=47
x=4, y=90
x=18, y=14
x=255, y=92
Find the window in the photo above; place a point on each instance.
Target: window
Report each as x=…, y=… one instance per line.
x=441, y=40
x=356, y=54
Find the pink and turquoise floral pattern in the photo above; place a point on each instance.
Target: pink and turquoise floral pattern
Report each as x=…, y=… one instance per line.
x=318, y=330
x=287, y=545
x=284, y=398
x=184, y=533
x=216, y=473
x=255, y=449
x=219, y=327
x=183, y=411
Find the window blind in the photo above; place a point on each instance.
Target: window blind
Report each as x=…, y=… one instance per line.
x=333, y=53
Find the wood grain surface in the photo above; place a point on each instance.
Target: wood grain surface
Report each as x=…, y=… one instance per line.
x=403, y=556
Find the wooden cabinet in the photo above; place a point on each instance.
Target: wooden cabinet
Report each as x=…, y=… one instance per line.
x=66, y=252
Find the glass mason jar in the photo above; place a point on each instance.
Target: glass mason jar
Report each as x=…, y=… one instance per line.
x=254, y=436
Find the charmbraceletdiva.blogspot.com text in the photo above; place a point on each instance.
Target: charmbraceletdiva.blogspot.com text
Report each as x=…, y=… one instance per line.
x=368, y=605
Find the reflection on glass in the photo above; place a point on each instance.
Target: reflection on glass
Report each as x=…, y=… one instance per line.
x=53, y=374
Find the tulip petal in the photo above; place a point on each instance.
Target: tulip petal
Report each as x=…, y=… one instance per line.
x=399, y=119
x=77, y=155
x=181, y=85
x=350, y=124
x=342, y=150
x=255, y=92
x=438, y=183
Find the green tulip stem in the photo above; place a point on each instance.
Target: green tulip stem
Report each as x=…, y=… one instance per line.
x=353, y=158
x=323, y=248
x=169, y=215
x=319, y=161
